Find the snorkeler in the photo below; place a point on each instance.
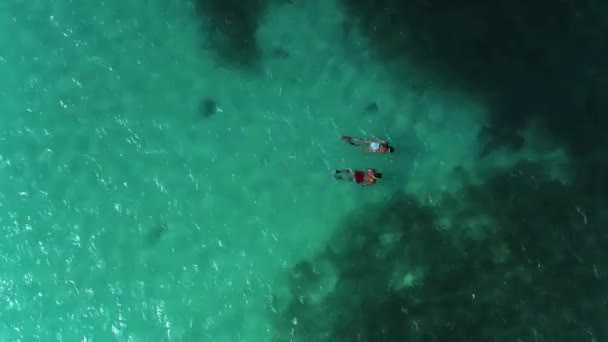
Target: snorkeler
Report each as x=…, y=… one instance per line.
x=374, y=146
x=363, y=177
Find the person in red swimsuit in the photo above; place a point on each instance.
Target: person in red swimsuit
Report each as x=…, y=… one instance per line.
x=363, y=177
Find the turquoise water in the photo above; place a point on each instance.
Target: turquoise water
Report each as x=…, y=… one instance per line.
x=126, y=216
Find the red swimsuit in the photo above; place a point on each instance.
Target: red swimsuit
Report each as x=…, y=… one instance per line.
x=359, y=176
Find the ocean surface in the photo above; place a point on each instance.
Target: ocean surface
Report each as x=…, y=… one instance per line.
x=127, y=214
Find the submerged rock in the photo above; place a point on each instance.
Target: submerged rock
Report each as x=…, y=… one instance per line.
x=156, y=232
x=280, y=53
x=208, y=107
x=231, y=26
x=372, y=107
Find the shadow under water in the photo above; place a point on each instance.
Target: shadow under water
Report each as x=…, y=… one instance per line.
x=541, y=61
x=517, y=258
x=231, y=27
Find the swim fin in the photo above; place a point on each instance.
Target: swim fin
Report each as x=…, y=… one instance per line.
x=348, y=139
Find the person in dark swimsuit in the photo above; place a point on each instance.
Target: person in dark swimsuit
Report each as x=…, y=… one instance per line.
x=363, y=177
x=375, y=145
